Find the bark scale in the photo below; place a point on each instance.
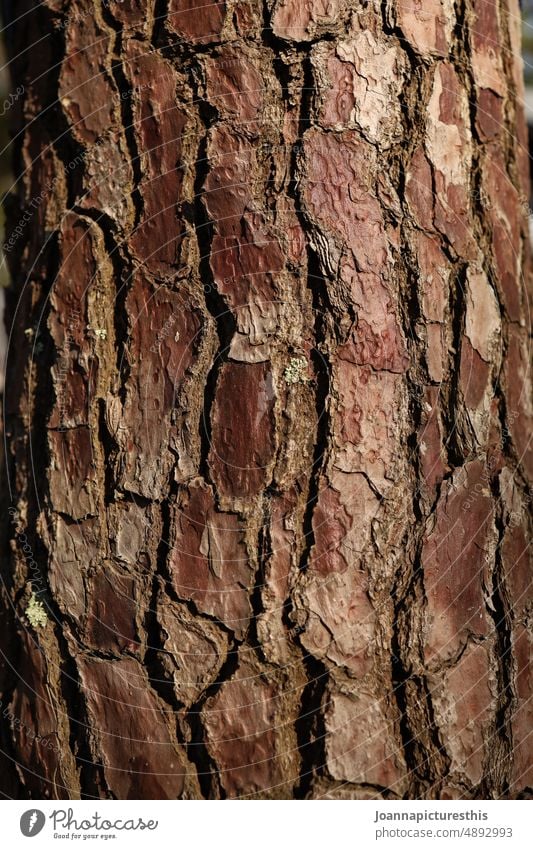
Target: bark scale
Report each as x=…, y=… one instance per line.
x=267, y=402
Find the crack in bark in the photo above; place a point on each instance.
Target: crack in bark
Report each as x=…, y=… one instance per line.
x=310, y=726
x=264, y=549
x=118, y=74
x=424, y=753
x=453, y=441
x=224, y=320
x=159, y=27
x=123, y=268
x=206, y=767
x=91, y=771
x=501, y=615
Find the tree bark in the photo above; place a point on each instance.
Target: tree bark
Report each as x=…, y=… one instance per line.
x=267, y=402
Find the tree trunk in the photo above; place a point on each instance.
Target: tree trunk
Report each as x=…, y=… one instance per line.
x=267, y=402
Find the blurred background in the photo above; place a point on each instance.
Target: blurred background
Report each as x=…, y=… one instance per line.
x=5, y=183
x=527, y=40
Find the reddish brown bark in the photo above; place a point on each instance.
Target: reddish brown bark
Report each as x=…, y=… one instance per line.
x=271, y=453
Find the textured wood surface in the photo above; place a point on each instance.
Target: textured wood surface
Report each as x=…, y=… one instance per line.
x=269, y=430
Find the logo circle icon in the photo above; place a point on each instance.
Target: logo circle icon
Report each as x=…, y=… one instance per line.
x=32, y=822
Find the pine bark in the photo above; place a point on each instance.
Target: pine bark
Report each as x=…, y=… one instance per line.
x=268, y=402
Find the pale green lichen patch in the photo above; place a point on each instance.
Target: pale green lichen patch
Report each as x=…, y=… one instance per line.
x=99, y=332
x=36, y=613
x=296, y=371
